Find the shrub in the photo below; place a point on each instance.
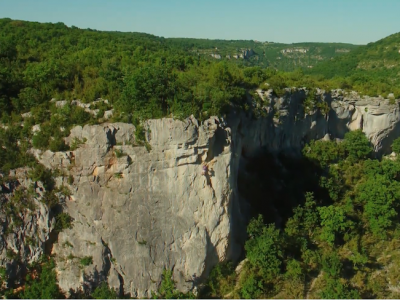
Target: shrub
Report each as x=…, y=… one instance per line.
x=119, y=153
x=70, y=179
x=337, y=290
x=140, y=134
x=263, y=249
x=41, y=173
x=103, y=291
x=40, y=140
x=357, y=144
x=396, y=146
x=251, y=287
x=63, y=221
x=76, y=142
x=86, y=261
x=221, y=280
x=57, y=144
x=168, y=290
x=44, y=286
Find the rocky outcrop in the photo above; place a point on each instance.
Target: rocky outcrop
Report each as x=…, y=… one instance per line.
x=292, y=125
x=137, y=213
x=140, y=207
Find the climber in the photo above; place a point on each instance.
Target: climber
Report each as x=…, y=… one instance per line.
x=204, y=170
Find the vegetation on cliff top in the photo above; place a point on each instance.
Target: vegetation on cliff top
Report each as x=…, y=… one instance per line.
x=140, y=74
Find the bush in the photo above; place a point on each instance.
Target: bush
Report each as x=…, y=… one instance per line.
x=40, y=140
x=263, y=249
x=336, y=290
x=251, y=287
x=119, y=153
x=41, y=173
x=103, y=291
x=221, y=280
x=76, y=142
x=63, y=221
x=57, y=144
x=168, y=290
x=44, y=286
x=86, y=261
x=396, y=146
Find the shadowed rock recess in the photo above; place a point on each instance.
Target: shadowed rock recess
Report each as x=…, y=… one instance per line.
x=138, y=209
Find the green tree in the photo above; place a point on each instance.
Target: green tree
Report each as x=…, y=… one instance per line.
x=103, y=291
x=251, y=287
x=45, y=286
x=357, y=145
x=167, y=289
x=396, y=146
x=221, y=280
x=148, y=90
x=331, y=265
x=324, y=153
x=305, y=218
x=379, y=197
x=334, y=289
x=264, y=249
x=333, y=221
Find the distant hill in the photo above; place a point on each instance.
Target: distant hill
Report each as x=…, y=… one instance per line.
x=381, y=58
x=285, y=57
x=374, y=66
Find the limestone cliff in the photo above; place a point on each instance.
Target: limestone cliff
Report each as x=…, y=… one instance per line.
x=138, y=209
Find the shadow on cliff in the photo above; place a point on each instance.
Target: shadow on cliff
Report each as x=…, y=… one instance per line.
x=274, y=184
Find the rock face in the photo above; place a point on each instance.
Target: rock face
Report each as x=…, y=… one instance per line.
x=137, y=212
x=142, y=207
x=25, y=231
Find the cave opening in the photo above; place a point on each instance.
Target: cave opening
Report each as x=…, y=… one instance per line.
x=273, y=184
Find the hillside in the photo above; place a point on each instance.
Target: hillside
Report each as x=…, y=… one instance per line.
x=376, y=64
x=285, y=57
x=151, y=75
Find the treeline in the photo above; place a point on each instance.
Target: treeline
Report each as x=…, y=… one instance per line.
x=139, y=73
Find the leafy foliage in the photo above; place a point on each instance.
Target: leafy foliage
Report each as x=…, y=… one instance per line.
x=63, y=221
x=44, y=286
x=263, y=249
x=396, y=146
x=357, y=145
x=103, y=291
x=221, y=281
x=86, y=261
x=167, y=289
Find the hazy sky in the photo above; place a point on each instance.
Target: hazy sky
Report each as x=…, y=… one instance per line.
x=287, y=21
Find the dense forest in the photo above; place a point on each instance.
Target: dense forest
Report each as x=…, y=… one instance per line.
x=340, y=234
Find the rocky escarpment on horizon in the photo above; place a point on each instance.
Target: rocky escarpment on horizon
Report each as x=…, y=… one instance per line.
x=140, y=209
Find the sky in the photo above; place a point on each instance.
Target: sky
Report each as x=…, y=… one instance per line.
x=285, y=21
